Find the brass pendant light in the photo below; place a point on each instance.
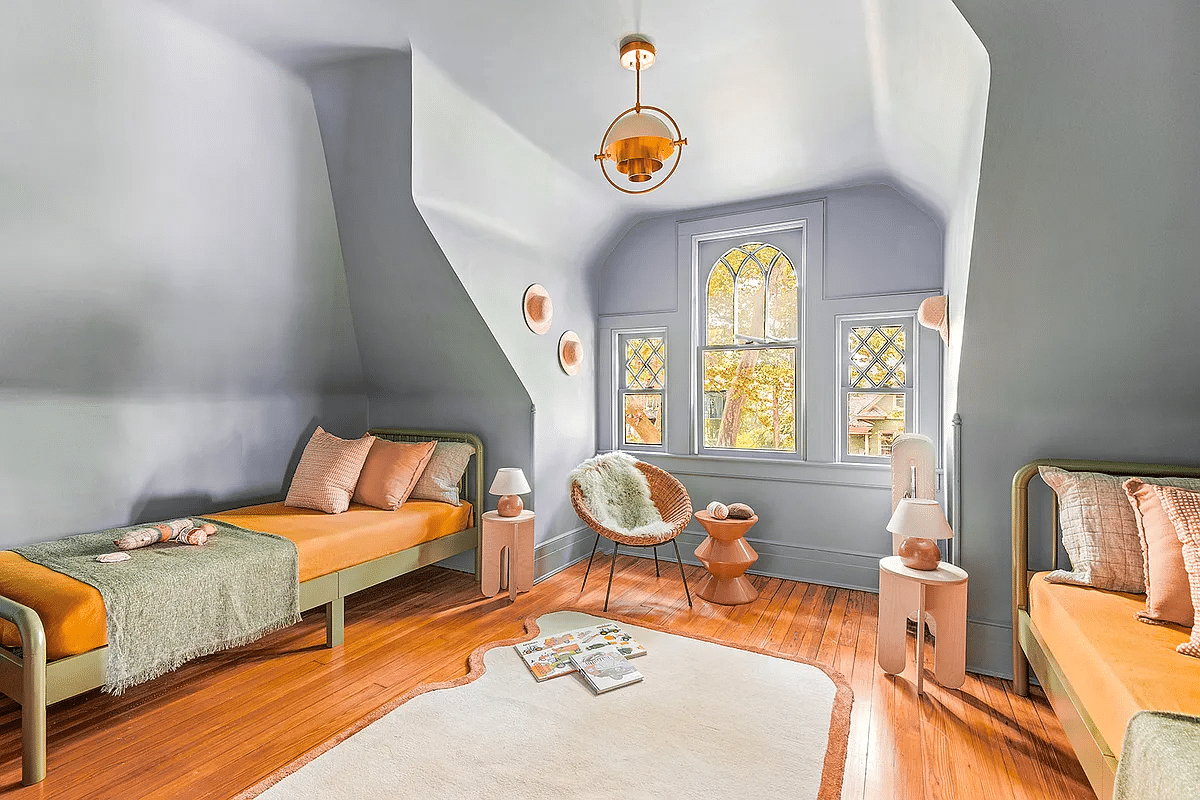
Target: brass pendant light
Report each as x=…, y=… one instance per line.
x=638, y=141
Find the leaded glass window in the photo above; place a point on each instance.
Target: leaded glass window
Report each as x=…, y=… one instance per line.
x=877, y=384
x=749, y=356
x=642, y=361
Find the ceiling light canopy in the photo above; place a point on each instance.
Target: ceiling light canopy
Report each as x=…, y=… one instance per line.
x=639, y=141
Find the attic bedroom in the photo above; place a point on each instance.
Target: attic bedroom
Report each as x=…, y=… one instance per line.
x=639, y=397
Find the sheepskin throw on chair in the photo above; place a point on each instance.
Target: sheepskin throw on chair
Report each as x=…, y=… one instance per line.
x=618, y=495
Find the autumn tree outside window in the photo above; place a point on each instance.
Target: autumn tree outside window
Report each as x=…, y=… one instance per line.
x=749, y=353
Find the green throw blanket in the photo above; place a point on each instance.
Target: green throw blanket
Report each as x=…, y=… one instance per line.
x=1160, y=759
x=173, y=602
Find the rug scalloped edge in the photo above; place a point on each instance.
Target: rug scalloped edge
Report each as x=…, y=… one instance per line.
x=832, y=772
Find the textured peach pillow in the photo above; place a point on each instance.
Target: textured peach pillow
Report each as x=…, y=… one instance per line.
x=1183, y=507
x=328, y=472
x=391, y=472
x=1168, y=593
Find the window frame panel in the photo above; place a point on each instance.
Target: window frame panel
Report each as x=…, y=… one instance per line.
x=619, y=339
x=909, y=389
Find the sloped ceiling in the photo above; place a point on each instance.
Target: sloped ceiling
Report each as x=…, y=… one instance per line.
x=775, y=96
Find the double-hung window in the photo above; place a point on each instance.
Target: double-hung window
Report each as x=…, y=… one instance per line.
x=878, y=382
x=749, y=351
x=642, y=382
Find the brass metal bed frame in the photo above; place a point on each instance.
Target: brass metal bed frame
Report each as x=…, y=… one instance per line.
x=1029, y=648
x=36, y=684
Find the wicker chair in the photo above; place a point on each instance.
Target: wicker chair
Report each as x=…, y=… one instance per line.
x=674, y=506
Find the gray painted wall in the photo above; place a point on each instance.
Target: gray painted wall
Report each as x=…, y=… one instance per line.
x=173, y=310
x=1086, y=267
x=819, y=521
x=428, y=357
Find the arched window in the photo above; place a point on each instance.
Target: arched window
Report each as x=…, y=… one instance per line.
x=751, y=323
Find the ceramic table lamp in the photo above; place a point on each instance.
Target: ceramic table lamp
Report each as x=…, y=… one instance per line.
x=509, y=484
x=920, y=521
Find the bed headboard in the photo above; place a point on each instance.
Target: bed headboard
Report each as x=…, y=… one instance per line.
x=471, y=485
x=1020, y=516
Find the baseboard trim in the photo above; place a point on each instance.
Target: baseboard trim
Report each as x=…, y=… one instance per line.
x=561, y=551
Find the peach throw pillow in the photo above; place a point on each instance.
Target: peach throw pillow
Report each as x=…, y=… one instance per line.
x=328, y=472
x=1168, y=593
x=391, y=472
x=1183, y=507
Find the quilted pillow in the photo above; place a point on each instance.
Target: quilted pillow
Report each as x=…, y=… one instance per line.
x=328, y=472
x=1168, y=593
x=445, y=469
x=390, y=473
x=1099, y=530
x=1183, y=508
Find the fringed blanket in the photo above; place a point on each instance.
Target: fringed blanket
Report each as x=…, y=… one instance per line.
x=617, y=494
x=1160, y=759
x=173, y=602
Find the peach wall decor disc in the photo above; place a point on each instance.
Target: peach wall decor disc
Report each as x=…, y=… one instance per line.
x=537, y=308
x=570, y=353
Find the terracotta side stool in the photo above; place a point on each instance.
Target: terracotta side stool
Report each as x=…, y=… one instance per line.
x=940, y=594
x=511, y=534
x=726, y=555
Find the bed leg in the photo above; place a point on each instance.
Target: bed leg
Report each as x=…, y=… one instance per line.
x=1020, y=662
x=33, y=689
x=335, y=622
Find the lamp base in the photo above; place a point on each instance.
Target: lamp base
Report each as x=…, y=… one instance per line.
x=509, y=505
x=922, y=554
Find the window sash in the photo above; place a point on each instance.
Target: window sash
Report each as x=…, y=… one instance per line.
x=906, y=320
x=620, y=363
x=701, y=418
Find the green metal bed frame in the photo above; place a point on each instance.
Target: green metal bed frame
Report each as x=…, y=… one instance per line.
x=1029, y=647
x=36, y=684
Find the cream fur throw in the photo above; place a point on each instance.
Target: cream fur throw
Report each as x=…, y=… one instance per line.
x=616, y=493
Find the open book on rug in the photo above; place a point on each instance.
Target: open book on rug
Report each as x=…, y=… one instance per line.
x=550, y=656
x=605, y=669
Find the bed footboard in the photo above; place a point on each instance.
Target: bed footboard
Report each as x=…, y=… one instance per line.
x=24, y=679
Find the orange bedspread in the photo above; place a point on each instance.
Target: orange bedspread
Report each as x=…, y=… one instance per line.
x=73, y=612
x=1116, y=664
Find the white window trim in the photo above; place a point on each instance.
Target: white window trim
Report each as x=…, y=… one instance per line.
x=618, y=383
x=911, y=389
x=699, y=288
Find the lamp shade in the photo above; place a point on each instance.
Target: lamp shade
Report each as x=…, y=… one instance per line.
x=509, y=480
x=920, y=518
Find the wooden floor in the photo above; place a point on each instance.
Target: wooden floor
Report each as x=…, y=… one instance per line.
x=220, y=724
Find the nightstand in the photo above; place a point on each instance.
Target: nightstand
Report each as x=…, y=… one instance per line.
x=506, y=553
x=940, y=594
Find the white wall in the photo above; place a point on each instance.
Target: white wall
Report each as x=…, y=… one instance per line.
x=173, y=310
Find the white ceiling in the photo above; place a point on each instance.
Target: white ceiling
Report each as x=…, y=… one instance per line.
x=775, y=96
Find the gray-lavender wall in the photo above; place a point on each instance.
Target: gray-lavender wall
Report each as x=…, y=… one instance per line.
x=174, y=318
x=1082, y=301
x=429, y=359
x=869, y=250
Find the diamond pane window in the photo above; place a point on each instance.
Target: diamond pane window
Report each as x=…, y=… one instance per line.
x=643, y=367
x=877, y=390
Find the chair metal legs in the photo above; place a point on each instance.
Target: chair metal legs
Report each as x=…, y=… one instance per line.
x=589, y=566
x=611, y=568
x=681, y=574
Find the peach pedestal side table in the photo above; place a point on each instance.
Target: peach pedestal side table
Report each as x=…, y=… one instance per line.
x=940, y=594
x=726, y=555
x=506, y=554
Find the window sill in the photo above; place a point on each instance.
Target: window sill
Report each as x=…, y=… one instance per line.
x=875, y=476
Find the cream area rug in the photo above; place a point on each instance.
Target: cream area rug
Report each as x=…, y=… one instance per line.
x=708, y=720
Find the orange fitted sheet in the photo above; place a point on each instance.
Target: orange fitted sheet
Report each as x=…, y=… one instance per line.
x=1116, y=664
x=72, y=612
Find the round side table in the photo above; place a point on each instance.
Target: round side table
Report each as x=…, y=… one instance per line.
x=726, y=555
x=938, y=593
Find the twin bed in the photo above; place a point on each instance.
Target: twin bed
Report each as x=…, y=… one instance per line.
x=59, y=623
x=1097, y=664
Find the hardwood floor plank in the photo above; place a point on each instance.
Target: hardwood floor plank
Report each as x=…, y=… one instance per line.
x=253, y=710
